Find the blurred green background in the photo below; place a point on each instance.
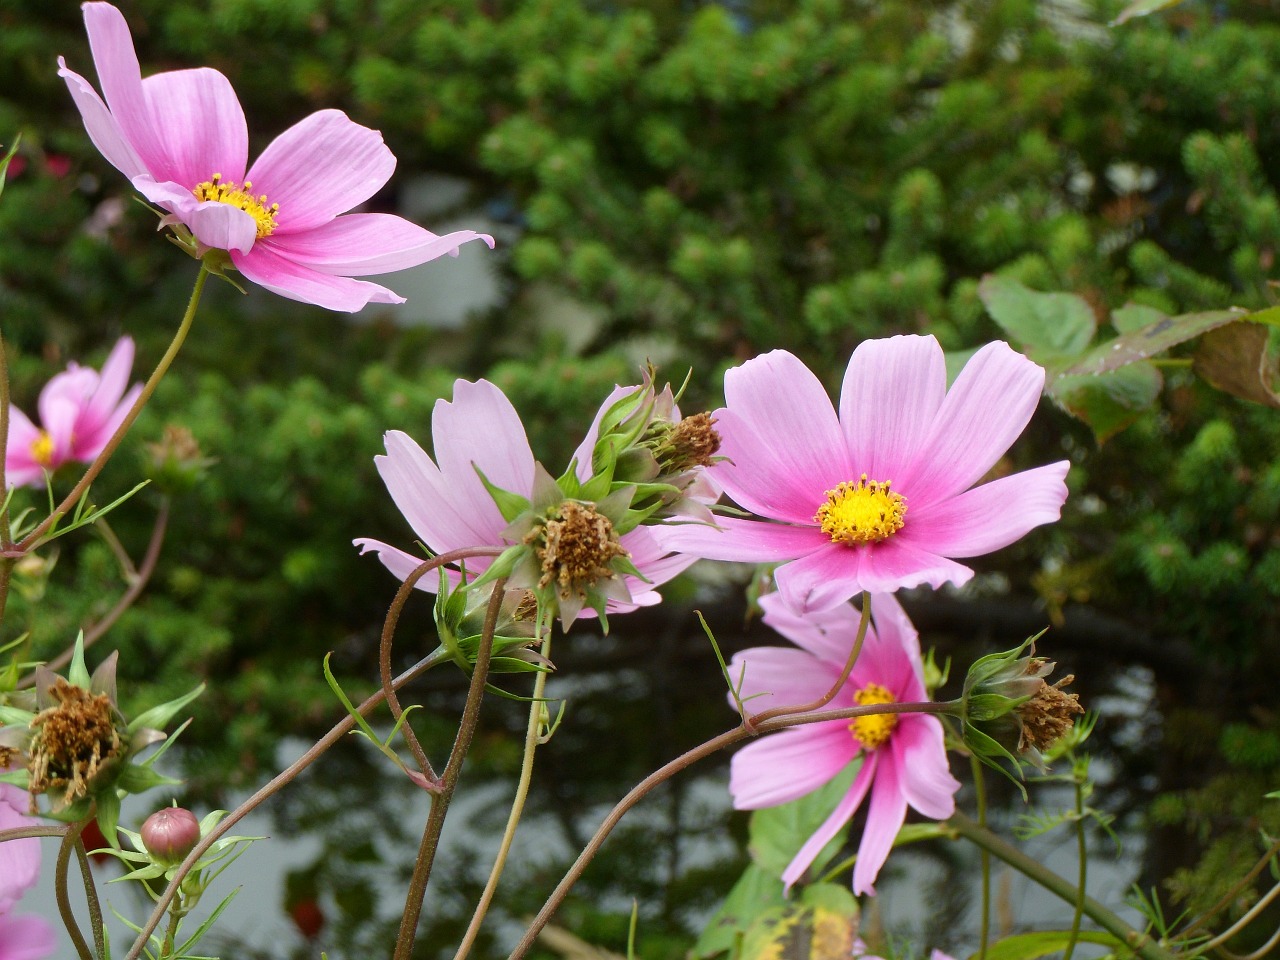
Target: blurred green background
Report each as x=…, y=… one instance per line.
x=691, y=183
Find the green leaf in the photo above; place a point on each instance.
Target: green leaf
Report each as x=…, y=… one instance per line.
x=822, y=925
x=158, y=716
x=1045, y=325
x=1155, y=337
x=1109, y=402
x=778, y=833
x=755, y=892
x=1029, y=946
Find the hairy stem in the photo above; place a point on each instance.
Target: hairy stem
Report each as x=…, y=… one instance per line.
x=91, y=897
x=70, y=834
x=449, y=779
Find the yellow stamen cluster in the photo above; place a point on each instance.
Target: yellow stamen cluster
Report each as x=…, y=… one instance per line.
x=42, y=449
x=575, y=548
x=73, y=740
x=240, y=196
x=862, y=512
x=873, y=731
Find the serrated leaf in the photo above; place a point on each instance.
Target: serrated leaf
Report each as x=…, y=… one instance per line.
x=778, y=833
x=1109, y=402
x=755, y=892
x=1029, y=946
x=1045, y=325
x=1236, y=360
x=1154, y=338
x=1135, y=316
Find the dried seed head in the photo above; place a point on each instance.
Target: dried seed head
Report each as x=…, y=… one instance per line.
x=575, y=548
x=1048, y=715
x=693, y=442
x=72, y=741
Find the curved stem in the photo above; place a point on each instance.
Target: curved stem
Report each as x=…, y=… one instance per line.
x=82, y=485
x=389, y=631
x=21, y=833
x=1229, y=897
x=685, y=760
x=71, y=833
x=827, y=697
x=1082, y=857
x=1243, y=922
x=274, y=786
x=1136, y=940
x=980, y=802
x=449, y=779
x=536, y=712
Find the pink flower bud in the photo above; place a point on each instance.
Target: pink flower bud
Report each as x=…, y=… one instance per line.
x=170, y=834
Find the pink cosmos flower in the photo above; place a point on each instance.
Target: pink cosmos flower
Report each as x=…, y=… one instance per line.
x=904, y=762
x=79, y=411
x=181, y=139
x=449, y=508
x=876, y=498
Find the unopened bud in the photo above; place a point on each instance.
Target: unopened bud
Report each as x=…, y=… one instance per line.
x=170, y=834
x=176, y=462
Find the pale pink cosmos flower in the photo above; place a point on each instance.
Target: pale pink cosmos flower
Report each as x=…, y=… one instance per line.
x=904, y=761
x=878, y=497
x=448, y=507
x=79, y=411
x=21, y=937
x=181, y=139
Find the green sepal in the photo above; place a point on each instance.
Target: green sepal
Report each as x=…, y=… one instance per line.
x=510, y=505
x=5, y=160
x=78, y=673
x=135, y=778
x=158, y=716
x=108, y=815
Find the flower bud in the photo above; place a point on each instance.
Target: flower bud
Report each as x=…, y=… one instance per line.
x=170, y=834
x=176, y=463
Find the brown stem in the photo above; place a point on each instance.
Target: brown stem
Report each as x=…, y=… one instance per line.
x=274, y=786
x=20, y=833
x=863, y=623
x=449, y=780
x=638, y=792
x=70, y=834
x=91, y=898
x=389, y=631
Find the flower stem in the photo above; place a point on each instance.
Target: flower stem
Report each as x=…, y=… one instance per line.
x=33, y=538
x=863, y=624
x=980, y=802
x=69, y=837
x=449, y=778
x=687, y=759
x=536, y=712
x=1138, y=941
x=1082, y=856
x=91, y=897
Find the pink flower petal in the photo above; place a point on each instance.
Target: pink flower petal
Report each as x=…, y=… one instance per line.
x=403, y=564
x=26, y=938
x=788, y=764
x=481, y=428
x=894, y=627
x=885, y=816
x=101, y=125
x=988, y=406
x=583, y=454
x=652, y=558
x=220, y=226
x=841, y=815
x=892, y=391
x=827, y=634
x=993, y=515
x=201, y=124
x=835, y=573
x=782, y=677
x=267, y=268
x=750, y=541
x=89, y=444
x=19, y=859
x=361, y=244
x=322, y=166
x=920, y=756
x=782, y=437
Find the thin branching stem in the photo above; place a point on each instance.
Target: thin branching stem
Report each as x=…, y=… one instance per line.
x=1243, y=922
x=537, y=710
x=449, y=778
x=980, y=803
x=389, y=632
x=1082, y=856
x=1229, y=897
x=91, y=898
x=682, y=762
x=33, y=538
x=827, y=697
x=70, y=834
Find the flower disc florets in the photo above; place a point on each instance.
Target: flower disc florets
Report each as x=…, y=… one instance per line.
x=73, y=741
x=575, y=547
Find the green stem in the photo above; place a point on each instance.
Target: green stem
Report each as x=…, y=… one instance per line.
x=980, y=801
x=176, y=913
x=91, y=474
x=69, y=837
x=449, y=778
x=536, y=711
x=1082, y=855
x=1136, y=940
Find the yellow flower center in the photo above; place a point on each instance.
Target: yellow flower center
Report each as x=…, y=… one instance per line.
x=862, y=512
x=241, y=196
x=873, y=731
x=42, y=449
